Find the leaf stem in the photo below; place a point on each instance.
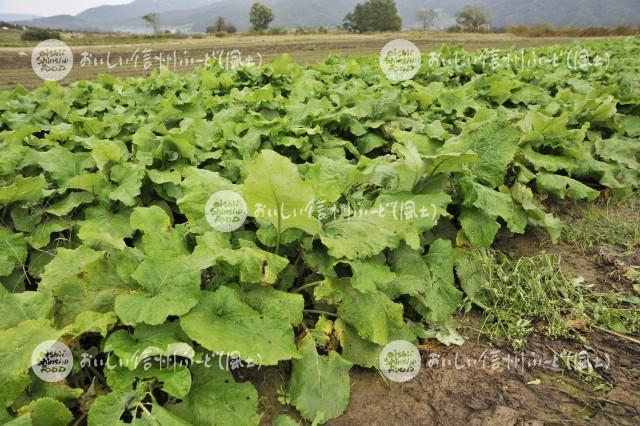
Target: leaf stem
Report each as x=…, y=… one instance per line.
x=314, y=311
x=307, y=285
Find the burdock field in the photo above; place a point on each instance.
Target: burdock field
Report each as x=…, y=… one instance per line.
x=345, y=228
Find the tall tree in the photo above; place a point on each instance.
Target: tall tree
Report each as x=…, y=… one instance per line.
x=428, y=18
x=471, y=18
x=220, y=24
x=260, y=16
x=153, y=19
x=373, y=15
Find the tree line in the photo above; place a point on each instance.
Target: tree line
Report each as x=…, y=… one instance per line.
x=369, y=16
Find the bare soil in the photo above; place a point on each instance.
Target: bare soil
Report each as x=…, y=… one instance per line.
x=15, y=62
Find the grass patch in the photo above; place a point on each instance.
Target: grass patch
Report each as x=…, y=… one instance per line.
x=520, y=295
x=613, y=224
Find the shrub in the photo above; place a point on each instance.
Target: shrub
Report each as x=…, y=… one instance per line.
x=39, y=34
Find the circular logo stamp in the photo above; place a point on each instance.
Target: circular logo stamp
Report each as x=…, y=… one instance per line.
x=52, y=59
x=226, y=211
x=400, y=60
x=52, y=361
x=400, y=361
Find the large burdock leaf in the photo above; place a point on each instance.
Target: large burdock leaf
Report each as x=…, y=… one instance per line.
x=94, y=287
x=538, y=217
x=13, y=251
x=332, y=177
x=103, y=228
x=495, y=144
x=16, y=347
x=563, y=186
x=479, y=227
x=494, y=203
x=18, y=307
x=274, y=192
x=253, y=264
x=175, y=379
x=22, y=189
x=366, y=235
x=319, y=385
x=67, y=264
x=429, y=279
x=197, y=187
x=216, y=399
x=168, y=285
x=44, y=411
x=146, y=341
x=223, y=323
x=107, y=409
x=373, y=315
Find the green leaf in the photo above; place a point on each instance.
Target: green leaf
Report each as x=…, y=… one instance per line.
x=223, y=323
x=277, y=304
x=146, y=341
x=41, y=235
x=72, y=201
x=563, y=186
x=355, y=349
x=22, y=189
x=89, y=321
x=495, y=144
x=102, y=228
x=319, y=384
x=13, y=251
x=168, y=285
x=150, y=219
x=331, y=178
x=495, y=204
x=480, y=227
x=366, y=235
x=67, y=264
x=284, y=420
x=470, y=271
x=373, y=315
x=16, y=347
x=428, y=280
x=371, y=274
x=107, y=409
x=18, y=307
x=254, y=265
x=216, y=399
x=281, y=198
x=95, y=287
x=197, y=187
x=47, y=412
x=175, y=379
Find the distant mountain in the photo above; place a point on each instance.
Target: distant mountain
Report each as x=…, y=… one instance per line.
x=196, y=15
x=106, y=15
x=60, y=22
x=12, y=17
x=578, y=13
x=288, y=14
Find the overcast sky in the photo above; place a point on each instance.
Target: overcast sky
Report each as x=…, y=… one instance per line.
x=52, y=7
